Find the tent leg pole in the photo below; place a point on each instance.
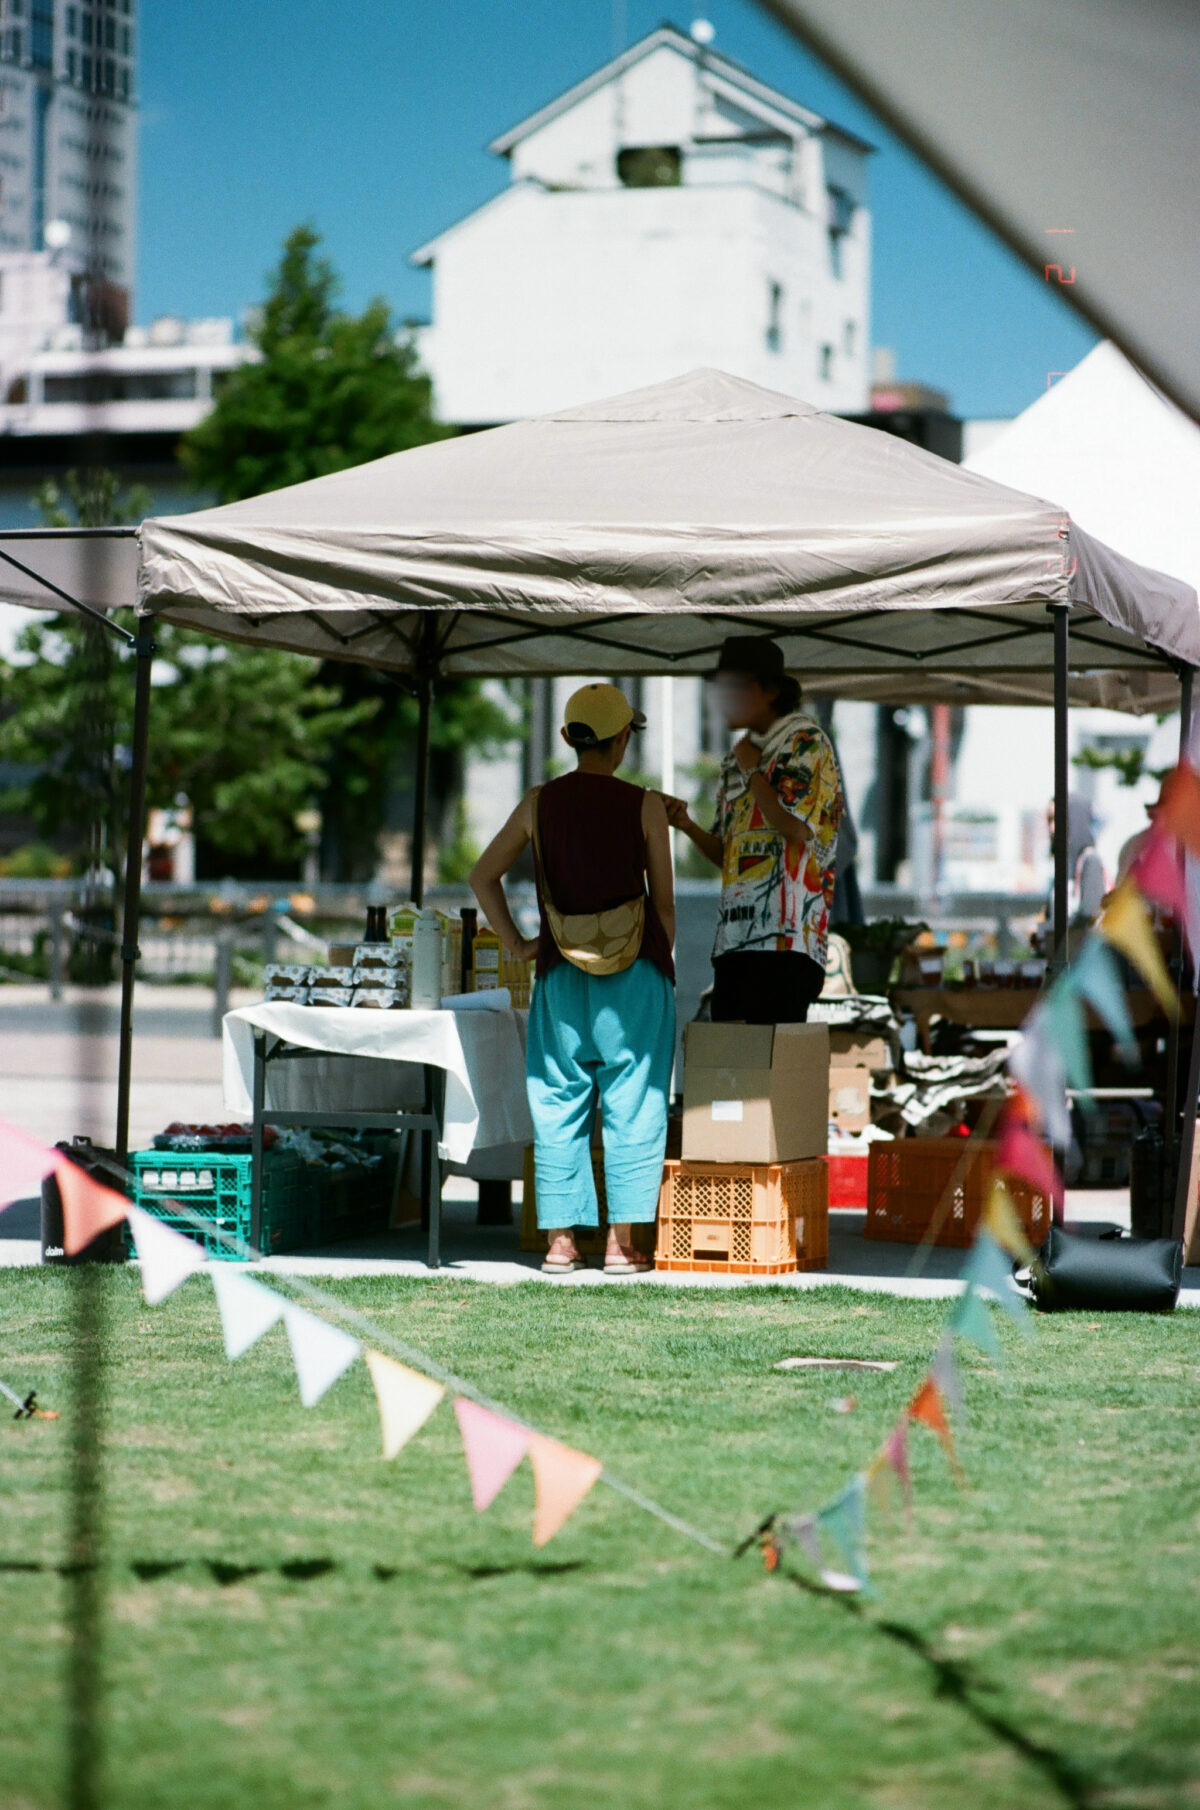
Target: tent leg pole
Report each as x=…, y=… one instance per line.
x=1062, y=786
x=1171, y=1112
x=421, y=789
x=1186, y=1131
x=143, y=648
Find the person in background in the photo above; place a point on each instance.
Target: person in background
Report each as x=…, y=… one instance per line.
x=602, y=858
x=779, y=809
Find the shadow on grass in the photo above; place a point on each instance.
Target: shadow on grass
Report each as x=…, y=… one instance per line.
x=957, y=1682
x=303, y=1571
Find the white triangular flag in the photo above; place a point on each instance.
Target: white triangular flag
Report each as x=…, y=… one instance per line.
x=320, y=1352
x=247, y=1309
x=406, y=1399
x=166, y=1256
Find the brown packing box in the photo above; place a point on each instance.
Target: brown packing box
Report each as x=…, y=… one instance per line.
x=854, y=1049
x=850, y=1098
x=755, y=1093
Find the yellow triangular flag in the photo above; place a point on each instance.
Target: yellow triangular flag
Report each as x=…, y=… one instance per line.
x=406, y=1399
x=1126, y=925
x=562, y=1477
x=1000, y=1220
x=880, y=1483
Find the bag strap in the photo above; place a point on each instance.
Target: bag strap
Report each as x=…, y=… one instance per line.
x=537, y=849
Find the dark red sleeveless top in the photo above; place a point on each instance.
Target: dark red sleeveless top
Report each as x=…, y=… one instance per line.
x=590, y=826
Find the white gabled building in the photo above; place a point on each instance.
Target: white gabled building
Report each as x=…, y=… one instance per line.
x=669, y=211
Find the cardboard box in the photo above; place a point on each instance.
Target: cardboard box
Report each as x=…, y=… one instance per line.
x=850, y=1098
x=755, y=1093
x=855, y=1049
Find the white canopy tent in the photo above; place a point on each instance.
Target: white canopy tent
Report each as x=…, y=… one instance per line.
x=632, y=535
x=1107, y=445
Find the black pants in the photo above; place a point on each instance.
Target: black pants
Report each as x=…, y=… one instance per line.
x=765, y=986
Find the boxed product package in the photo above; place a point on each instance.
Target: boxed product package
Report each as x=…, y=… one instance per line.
x=755, y=1093
x=853, y=1055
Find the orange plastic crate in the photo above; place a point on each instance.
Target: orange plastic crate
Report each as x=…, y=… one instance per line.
x=908, y=1179
x=740, y=1220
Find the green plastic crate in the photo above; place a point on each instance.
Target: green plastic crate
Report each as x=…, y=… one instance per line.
x=216, y=1185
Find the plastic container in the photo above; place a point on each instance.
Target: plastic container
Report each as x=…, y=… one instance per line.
x=909, y=1180
x=761, y=1220
x=426, y=987
x=216, y=1185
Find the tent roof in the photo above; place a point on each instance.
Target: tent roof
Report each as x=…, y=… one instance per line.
x=631, y=535
x=1114, y=451
x=1072, y=129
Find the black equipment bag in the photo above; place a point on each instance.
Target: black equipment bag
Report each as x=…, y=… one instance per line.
x=1106, y=1275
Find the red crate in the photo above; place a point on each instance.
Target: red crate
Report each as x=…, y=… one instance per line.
x=847, y=1178
x=909, y=1179
x=738, y=1219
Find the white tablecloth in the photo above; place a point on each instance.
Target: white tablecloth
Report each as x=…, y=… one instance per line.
x=364, y=1060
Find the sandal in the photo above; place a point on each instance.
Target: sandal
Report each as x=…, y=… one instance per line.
x=623, y=1265
x=559, y=1264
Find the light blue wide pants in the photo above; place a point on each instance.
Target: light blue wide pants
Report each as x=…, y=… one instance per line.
x=612, y=1035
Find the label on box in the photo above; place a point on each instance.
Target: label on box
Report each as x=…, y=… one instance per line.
x=727, y=1112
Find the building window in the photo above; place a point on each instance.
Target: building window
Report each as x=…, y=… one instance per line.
x=87, y=72
x=124, y=84
x=16, y=46
x=72, y=22
x=774, y=317
x=87, y=27
x=849, y=336
x=72, y=65
x=110, y=34
x=126, y=41
x=825, y=366
x=650, y=166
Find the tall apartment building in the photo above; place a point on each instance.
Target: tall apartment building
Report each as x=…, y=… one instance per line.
x=68, y=153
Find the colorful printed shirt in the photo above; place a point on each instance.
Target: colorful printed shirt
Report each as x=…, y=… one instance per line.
x=776, y=894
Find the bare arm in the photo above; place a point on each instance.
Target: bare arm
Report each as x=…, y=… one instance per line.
x=790, y=827
x=659, y=871
x=487, y=879
x=679, y=818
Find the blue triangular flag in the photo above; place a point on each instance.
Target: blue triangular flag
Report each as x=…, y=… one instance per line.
x=971, y=1321
x=1098, y=979
x=989, y=1266
x=845, y=1521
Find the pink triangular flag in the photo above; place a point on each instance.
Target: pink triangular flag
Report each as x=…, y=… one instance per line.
x=1158, y=873
x=166, y=1256
x=494, y=1447
x=1024, y=1155
x=406, y=1399
x=562, y=1477
x=23, y=1162
x=89, y=1208
x=895, y=1450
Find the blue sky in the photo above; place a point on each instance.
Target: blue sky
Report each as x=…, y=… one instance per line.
x=370, y=121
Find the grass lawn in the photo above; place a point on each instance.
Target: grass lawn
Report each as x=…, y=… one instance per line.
x=294, y=1623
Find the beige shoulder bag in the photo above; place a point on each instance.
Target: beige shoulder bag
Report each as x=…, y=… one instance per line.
x=599, y=942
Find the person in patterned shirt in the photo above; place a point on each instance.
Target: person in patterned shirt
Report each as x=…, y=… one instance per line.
x=779, y=807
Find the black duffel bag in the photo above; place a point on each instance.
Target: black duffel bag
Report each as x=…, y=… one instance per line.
x=1106, y=1275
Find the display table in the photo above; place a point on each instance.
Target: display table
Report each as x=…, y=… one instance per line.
x=1002, y=1008
x=457, y=1078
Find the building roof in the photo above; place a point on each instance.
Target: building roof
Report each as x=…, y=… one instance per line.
x=758, y=94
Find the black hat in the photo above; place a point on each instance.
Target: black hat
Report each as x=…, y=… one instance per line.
x=755, y=655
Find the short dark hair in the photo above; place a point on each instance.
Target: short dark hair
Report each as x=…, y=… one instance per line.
x=788, y=696
x=584, y=740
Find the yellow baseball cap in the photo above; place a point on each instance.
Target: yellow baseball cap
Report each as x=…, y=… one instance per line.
x=595, y=713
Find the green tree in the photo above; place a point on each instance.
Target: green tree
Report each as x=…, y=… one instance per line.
x=327, y=391
x=244, y=733
x=330, y=390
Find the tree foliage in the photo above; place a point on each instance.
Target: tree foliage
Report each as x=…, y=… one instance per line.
x=329, y=389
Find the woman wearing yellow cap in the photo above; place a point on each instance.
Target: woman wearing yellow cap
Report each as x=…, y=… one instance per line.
x=602, y=1021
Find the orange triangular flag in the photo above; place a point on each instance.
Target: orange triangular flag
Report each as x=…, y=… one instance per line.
x=1179, y=806
x=562, y=1477
x=926, y=1406
x=1126, y=925
x=89, y=1208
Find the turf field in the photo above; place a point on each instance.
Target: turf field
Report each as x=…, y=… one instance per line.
x=292, y=1623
